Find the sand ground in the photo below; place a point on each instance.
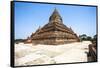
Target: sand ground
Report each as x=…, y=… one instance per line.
x=28, y=54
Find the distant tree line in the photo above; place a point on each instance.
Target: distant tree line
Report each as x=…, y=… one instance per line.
x=19, y=40
x=84, y=37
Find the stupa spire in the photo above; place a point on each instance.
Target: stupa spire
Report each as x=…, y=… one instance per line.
x=55, y=17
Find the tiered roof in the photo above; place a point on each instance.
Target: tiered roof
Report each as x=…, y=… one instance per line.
x=55, y=24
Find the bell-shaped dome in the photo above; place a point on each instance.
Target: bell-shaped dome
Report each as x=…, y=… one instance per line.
x=55, y=17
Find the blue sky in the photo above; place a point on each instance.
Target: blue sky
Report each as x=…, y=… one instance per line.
x=29, y=16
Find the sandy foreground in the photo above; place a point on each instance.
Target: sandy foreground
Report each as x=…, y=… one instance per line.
x=28, y=54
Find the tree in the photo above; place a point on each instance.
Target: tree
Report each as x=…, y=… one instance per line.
x=89, y=38
x=94, y=37
x=94, y=40
x=83, y=37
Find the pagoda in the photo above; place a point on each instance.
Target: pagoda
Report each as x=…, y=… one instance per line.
x=54, y=32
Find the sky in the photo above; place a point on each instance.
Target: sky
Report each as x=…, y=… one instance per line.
x=29, y=16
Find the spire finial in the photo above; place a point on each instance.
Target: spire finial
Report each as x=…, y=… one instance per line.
x=55, y=9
